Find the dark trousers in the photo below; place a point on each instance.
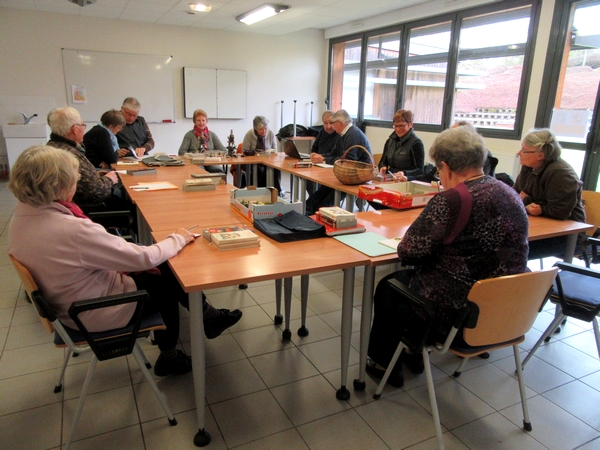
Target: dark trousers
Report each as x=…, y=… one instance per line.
x=324, y=196
x=166, y=295
x=545, y=248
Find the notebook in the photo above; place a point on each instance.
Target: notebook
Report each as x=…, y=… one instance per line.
x=290, y=150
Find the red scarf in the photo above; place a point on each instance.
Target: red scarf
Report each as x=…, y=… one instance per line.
x=198, y=132
x=75, y=210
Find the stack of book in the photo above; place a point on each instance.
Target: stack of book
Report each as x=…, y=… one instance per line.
x=337, y=221
x=231, y=237
x=337, y=217
x=199, y=184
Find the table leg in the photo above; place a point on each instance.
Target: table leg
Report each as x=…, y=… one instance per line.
x=350, y=199
x=295, y=189
x=278, y=317
x=270, y=177
x=570, y=249
x=302, y=188
x=255, y=175
x=292, y=185
x=365, y=325
x=144, y=236
x=303, y=331
x=347, y=300
x=202, y=438
x=337, y=197
x=287, y=298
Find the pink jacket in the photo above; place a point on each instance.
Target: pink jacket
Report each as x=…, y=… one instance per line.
x=76, y=259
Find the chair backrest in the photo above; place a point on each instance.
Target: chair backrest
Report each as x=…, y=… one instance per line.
x=591, y=201
x=377, y=158
x=508, y=306
x=31, y=288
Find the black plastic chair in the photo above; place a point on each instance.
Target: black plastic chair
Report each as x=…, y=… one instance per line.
x=105, y=345
x=577, y=294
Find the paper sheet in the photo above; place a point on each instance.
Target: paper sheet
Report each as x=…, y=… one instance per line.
x=367, y=243
x=153, y=186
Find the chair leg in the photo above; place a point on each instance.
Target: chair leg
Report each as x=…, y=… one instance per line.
x=460, y=367
x=287, y=302
x=433, y=401
x=140, y=357
x=81, y=402
x=388, y=371
x=304, y=280
x=526, y=421
x=557, y=319
x=278, y=319
x=596, y=334
x=61, y=378
x=146, y=362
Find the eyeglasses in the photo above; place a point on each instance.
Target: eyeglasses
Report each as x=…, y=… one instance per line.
x=84, y=125
x=400, y=124
x=523, y=152
x=129, y=113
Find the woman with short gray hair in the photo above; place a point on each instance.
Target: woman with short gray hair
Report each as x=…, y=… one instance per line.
x=548, y=186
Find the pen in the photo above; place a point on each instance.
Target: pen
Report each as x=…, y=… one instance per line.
x=191, y=228
x=139, y=188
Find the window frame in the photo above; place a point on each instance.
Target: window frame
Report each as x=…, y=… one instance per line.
x=456, y=19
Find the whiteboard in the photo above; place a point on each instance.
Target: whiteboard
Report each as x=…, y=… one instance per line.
x=98, y=81
x=221, y=93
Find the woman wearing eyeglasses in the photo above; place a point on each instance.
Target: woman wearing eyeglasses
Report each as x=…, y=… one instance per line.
x=549, y=187
x=403, y=153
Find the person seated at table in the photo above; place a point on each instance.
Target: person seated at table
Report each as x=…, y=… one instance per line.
x=135, y=137
x=101, y=146
x=259, y=139
x=403, y=153
x=451, y=245
x=200, y=139
x=323, y=145
x=488, y=166
x=72, y=258
x=549, y=187
x=67, y=131
x=347, y=135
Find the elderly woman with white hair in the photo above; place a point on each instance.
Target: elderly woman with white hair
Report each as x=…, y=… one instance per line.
x=476, y=228
x=259, y=139
x=548, y=186
x=72, y=258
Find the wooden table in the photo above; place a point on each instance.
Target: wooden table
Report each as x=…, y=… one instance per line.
x=392, y=223
x=269, y=261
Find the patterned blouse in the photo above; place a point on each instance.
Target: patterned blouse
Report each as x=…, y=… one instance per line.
x=492, y=244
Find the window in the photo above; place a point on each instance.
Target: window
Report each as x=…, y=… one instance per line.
x=382, y=75
x=470, y=65
x=428, y=53
x=490, y=68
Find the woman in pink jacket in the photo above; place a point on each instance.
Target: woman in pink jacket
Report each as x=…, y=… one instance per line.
x=72, y=258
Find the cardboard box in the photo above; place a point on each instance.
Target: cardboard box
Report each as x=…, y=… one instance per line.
x=411, y=194
x=273, y=207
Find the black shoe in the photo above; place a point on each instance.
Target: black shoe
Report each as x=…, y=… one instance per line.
x=178, y=365
x=243, y=286
x=414, y=362
x=396, y=378
x=485, y=355
x=214, y=327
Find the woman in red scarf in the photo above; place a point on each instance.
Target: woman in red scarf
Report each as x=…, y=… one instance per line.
x=200, y=139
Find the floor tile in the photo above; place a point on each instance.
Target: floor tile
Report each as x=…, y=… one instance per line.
x=325, y=355
x=289, y=439
x=129, y=438
x=308, y=400
x=345, y=430
x=250, y=417
x=261, y=340
x=550, y=423
x=29, y=391
x=580, y=400
x=232, y=380
x=18, y=433
x=283, y=367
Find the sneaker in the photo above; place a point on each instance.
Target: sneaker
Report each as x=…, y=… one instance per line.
x=396, y=378
x=413, y=361
x=243, y=286
x=214, y=327
x=178, y=365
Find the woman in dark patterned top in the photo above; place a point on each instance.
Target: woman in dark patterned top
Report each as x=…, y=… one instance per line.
x=452, y=245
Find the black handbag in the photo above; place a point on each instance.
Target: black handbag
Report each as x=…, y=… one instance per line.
x=289, y=227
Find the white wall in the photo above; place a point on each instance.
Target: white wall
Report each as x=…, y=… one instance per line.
x=289, y=67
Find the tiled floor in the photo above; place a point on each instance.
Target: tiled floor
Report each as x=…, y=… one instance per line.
x=263, y=393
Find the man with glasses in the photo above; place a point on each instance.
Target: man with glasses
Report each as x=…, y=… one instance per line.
x=135, y=139
x=67, y=133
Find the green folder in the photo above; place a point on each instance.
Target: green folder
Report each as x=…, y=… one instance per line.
x=367, y=243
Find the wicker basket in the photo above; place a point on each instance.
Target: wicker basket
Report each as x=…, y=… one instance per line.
x=354, y=172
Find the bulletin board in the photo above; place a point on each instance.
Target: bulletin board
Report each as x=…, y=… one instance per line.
x=98, y=81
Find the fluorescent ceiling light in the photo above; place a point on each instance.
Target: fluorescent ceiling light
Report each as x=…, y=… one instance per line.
x=200, y=7
x=258, y=14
